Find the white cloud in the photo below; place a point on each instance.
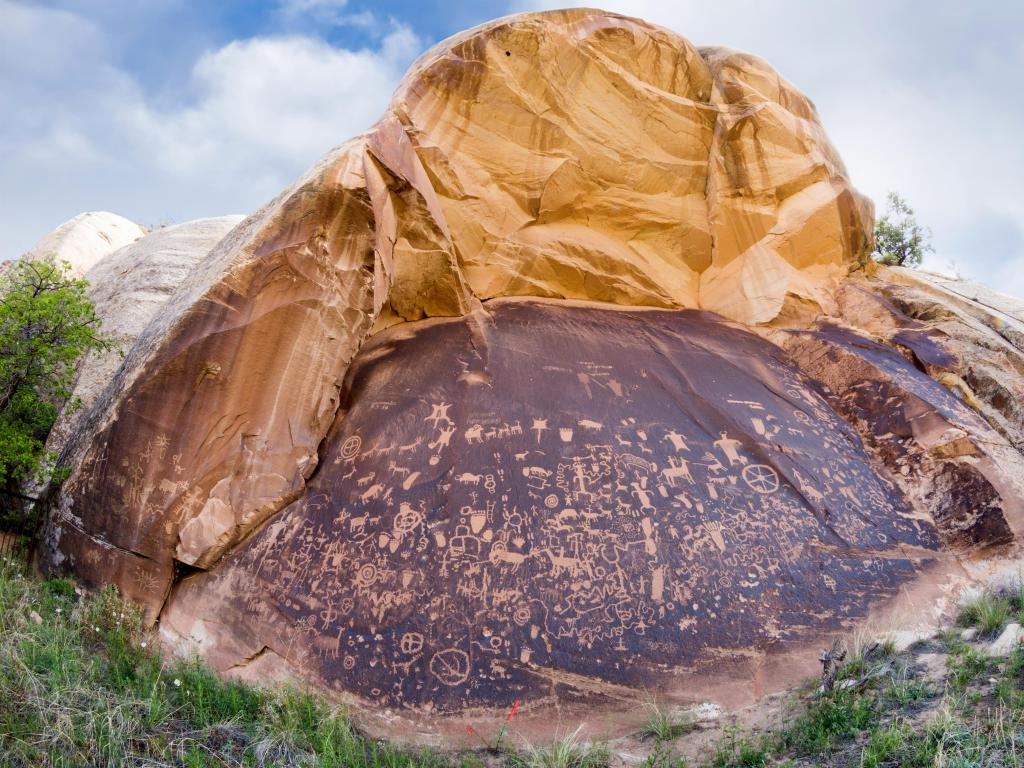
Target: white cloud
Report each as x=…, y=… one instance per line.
x=921, y=98
x=327, y=12
x=273, y=99
x=79, y=133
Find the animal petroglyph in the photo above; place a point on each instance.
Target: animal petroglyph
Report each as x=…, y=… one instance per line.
x=614, y=534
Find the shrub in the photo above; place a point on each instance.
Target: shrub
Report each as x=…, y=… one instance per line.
x=899, y=240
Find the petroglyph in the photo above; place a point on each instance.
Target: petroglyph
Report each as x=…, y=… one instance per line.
x=576, y=521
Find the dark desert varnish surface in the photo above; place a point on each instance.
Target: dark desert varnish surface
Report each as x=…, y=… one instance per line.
x=553, y=493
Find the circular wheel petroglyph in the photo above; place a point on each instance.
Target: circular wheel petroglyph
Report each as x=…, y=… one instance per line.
x=761, y=478
x=450, y=666
x=351, y=447
x=412, y=642
x=406, y=520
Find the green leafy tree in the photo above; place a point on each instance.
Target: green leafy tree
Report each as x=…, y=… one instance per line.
x=899, y=240
x=47, y=323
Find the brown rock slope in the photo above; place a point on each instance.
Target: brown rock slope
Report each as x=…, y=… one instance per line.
x=563, y=382
x=128, y=287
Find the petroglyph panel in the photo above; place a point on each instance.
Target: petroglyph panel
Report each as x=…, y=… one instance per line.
x=554, y=488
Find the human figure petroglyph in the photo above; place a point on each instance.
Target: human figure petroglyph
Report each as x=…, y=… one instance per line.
x=678, y=441
x=438, y=414
x=730, y=449
x=443, y=439
x=642, y=495
x=539, y=426
x=191, y=501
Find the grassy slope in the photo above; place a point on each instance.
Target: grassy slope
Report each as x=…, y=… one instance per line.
x=81, y=684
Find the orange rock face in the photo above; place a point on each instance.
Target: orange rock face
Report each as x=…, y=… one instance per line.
x=550, y=386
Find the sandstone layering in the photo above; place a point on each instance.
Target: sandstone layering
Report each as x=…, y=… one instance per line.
x=567, y=381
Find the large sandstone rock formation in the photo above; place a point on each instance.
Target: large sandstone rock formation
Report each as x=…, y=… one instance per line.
x=128, y=287
x=563, y=382
x=85, y=239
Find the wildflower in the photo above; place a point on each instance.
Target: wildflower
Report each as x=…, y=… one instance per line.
x=177, y=683
x=470, y=731
x=57, y=611
x=143, y=643
x=512, y=712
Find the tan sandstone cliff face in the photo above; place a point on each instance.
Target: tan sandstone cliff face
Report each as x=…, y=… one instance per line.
x=128, y=287
x=477, y=407
x=574, y=154
x=590, y=156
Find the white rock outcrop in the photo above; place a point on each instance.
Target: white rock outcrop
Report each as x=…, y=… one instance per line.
x=87, y=238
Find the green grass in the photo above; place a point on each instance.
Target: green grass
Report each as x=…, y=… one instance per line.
x=829, y=720
x=737, y=750
x=967, y=665
x=905, y=690
x=898, y=719
x=567, y=752
x=663, y=756
x=86, y=686
x=662, y=725
x=82, y=683
x=989, y=611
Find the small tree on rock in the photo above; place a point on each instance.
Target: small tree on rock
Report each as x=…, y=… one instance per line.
x=47, y=323
x=899, y=240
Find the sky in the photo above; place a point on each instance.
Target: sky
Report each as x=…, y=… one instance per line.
x=169, y=110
